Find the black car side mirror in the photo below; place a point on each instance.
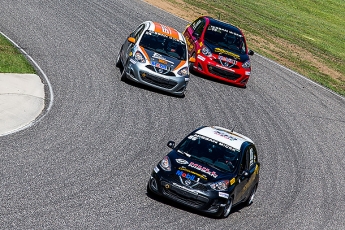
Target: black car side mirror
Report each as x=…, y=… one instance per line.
x=245, y=174
x=171, y=144
x=250, y=52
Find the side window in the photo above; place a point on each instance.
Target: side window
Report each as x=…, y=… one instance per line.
x=252, y=157
x=198, y=27
x=249, y=159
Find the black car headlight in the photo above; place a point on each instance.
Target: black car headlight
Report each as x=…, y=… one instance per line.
x=222, y=185
x=165, y=164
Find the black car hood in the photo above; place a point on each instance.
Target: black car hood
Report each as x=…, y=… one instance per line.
x=196, y=170
x=227, y=52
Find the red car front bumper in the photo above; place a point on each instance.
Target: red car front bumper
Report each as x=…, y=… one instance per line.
x=212, y=67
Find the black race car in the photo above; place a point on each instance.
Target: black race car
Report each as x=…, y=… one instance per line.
x=211, y=170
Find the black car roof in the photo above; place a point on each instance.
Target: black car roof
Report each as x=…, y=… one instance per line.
x=222, y=24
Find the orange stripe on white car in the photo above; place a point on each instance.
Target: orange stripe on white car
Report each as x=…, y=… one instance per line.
x=166, y=30
x=145, y=54
x=179, y=65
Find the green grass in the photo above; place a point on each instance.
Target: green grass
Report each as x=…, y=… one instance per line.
x=317, y=27
x=11, y=60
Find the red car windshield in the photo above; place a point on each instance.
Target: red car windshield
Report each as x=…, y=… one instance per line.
x=225, y=38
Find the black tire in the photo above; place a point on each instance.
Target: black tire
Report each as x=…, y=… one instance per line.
x=123, y=75
x=118, y=60
x=191, y=64
x=148, y=190
x=227, y=209
x=250, y=199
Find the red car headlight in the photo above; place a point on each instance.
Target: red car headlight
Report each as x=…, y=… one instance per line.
x=246, y=64
x=206, y=51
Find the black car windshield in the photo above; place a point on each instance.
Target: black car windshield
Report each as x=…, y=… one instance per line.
x=225, y=38
x=164, y=45
x=210, y=151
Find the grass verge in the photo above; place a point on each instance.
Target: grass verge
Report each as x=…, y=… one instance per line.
x=12, y=60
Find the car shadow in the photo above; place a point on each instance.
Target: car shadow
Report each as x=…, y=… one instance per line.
x=166, y=201
x=203, y=76
x=145, y=87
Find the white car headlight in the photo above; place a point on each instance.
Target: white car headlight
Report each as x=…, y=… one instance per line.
x=165, y=164
x=206, y=51
x=139, y=57
x=220, y=185
x=246, y=64
x=183, y=72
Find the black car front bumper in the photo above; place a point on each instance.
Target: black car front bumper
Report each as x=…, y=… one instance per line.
x=199, y=197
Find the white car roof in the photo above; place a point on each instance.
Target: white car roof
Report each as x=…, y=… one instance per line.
x=224, y=136
x=166, y=30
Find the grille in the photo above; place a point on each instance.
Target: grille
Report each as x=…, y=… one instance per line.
x=233, y=67
x=193, y=185
x=165, y=72
x=223, y=73
x=197, y=201
x=158, y=81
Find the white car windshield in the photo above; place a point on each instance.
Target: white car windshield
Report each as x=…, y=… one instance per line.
x=164, y=45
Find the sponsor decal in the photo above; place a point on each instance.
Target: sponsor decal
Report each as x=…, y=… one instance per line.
x=196, y=136
x=203, y=169
x=159, y=65
x=163, y=61
x=223, y=51
x=227, y=62
x=194, y=25
x=161, y=58
x=132, y=61
x=223, y=67
x=225, y=135
x=247, y=73
x=226, y=59
x=182, y=161
x=219, y=29
x=232, y=181
x=223, y=195
x=185, y=175
x=201, y=58
x=189, y=171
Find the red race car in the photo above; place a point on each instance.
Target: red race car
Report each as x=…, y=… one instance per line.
x=219, y=49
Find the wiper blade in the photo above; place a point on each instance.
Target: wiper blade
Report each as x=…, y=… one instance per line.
x=183, y=153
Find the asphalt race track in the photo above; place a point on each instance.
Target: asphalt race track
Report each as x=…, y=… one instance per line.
x=85, y=165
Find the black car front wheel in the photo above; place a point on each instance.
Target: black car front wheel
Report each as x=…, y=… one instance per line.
x=227, y=209
x=118, y=60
